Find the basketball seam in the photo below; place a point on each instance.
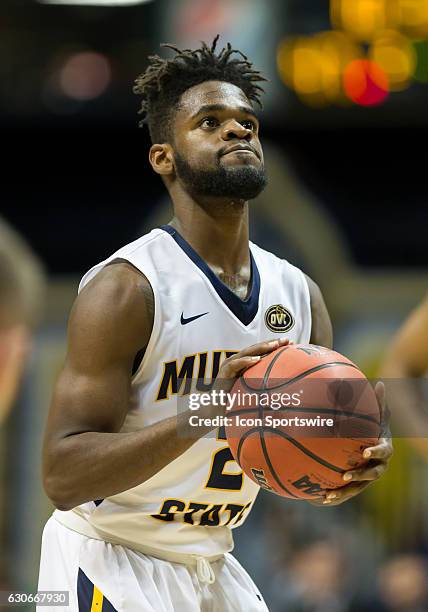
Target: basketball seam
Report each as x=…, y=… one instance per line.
x=261, y=429
x=296, y=378
x=270, y=366
x=241, y=441
x=305, y=450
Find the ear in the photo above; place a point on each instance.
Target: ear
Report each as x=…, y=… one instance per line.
x=161, y=158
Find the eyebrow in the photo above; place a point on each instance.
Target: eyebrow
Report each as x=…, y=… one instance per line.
x=213, y=108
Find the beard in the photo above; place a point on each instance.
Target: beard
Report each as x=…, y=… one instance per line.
x=236, y=183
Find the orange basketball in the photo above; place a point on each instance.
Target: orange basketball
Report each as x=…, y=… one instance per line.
x=302, y=417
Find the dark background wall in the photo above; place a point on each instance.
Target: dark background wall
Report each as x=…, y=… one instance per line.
x=81, y=166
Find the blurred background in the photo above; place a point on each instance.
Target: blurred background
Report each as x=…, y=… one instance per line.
x=345, y=130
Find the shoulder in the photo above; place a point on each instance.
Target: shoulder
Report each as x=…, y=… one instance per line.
x=279, y=268
x=136, y=252
x=119, y=283
x=270, y=259
x=314, y=291
x=259, y=252
x=321, y=330
x=116, y=308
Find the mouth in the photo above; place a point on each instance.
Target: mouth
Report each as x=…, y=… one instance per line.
x=241, y=149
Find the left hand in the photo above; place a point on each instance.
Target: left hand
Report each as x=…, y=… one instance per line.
x=361, y=478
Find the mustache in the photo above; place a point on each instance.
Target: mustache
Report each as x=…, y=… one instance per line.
x=245, y=145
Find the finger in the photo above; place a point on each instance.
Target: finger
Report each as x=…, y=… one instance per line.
x=261, y=348
x=381, y=398
x=370, y=472
x=382, y=451
x=235, y=367
x=319, y=502
x=338, y=496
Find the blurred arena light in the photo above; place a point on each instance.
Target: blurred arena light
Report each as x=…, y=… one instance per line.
x=95, y=2
x=414, y=16
x=313, y=66
x=363, y=19
x=365, y=83
x=396, y=55
x=323, y=69
x=75, y=78
x=421, y=72
x=85, y=75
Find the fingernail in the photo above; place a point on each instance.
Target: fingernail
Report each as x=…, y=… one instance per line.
x=347, y=476
x=326, y=501
x=331, y=496
x=367, y=454
x=257, y=358
x=273, y=343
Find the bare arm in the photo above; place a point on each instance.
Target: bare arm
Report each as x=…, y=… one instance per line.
x=322, y=331
x=14, y=350
x=408, y=353
x=406, y=362
x=85, y=457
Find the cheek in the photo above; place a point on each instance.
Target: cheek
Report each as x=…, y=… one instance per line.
x=260, y=148
x=198, y=151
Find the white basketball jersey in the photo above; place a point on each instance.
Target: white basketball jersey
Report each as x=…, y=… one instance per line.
x=191, y=505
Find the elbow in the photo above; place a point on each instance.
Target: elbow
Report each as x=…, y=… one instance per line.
x=62, y=507
x=56, y=479
x=57, y=493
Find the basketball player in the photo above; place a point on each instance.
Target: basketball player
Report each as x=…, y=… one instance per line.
x=144, y=510
x=406, y=363
x=21, y=289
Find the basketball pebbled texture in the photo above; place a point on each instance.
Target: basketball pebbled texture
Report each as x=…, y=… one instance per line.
x=295, y=461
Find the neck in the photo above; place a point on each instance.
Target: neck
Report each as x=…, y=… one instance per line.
x=217, y=229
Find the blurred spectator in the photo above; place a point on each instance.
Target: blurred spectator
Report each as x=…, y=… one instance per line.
x=402, y=586
x=21, y=289
x=315, y=580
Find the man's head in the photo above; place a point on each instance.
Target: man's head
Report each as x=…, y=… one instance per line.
x=199, y=106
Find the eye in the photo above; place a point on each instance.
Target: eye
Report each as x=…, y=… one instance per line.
x=209, y=123
x=249, y=125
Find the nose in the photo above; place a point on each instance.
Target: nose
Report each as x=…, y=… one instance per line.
x=235, y=130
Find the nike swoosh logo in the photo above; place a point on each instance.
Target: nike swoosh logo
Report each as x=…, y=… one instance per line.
x=186, y=321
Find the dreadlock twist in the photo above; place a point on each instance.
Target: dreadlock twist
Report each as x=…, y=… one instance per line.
x=165, y=81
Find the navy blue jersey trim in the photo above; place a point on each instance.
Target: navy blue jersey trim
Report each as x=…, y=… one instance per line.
x=85, y=594
x=244, y=310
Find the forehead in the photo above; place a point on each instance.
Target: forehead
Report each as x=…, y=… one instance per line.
x=212, y=93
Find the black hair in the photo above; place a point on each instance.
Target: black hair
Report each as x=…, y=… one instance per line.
x=165, y=80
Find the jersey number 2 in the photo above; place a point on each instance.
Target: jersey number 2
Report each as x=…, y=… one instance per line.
x=218, y=478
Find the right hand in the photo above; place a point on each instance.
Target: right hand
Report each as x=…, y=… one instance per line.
x=234, y=366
